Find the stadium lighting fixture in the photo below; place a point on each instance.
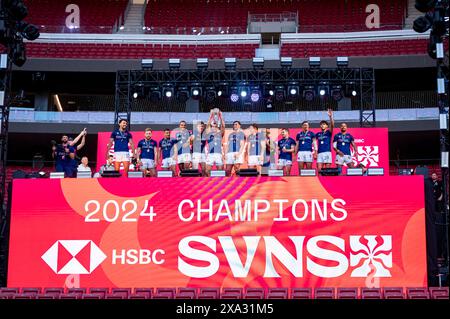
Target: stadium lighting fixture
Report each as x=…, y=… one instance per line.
x=342, y=61
x=314, y=62
x=286, y=62
x=258, y=63
x=230, y=63
x=147, y=64
x=174, y=64
x=202, y=63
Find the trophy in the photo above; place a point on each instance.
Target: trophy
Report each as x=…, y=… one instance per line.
x=215, y=115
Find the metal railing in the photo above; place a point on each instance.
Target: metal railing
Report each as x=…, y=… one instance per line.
x=194, y=30
x=273, y=17
x=81, y=29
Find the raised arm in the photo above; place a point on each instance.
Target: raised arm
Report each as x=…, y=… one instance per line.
x=108, y=147
x=83, y=142
x=330, y=115
x=75, y=141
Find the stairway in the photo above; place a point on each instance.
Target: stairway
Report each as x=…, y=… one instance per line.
x=413, y=14
x=134, y=19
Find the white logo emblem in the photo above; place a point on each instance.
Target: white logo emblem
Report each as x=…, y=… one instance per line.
x=368, y=155
x=376, y=253
x=71, y=257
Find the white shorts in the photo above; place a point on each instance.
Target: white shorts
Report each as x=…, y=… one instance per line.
x=284, y=162
x=214, y=158
x=198, y=158
x=230, y=158
x=254, y=160
x=168, y=162
x=121, y=156
x=184, y=158
x=147, y=163
x=305, y=157
x=343, y=160
x=324, y=157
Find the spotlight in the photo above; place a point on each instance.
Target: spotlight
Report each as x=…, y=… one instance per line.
x=286, y=62
x=323, y=89
x=210, y=94
x=202, y=63
x=174, y=64
x=342, y=61
x=243, y=93
x=155, y=94
x=425, y=5
x=168, y=91
x=336, y=92
x=293, y=89
x=135, y=95
x=147, y=64
x=16, y=9
x=258, y=63
x=139, y=90
x=196, y=91
x=183, y=94
x=28, y=31
x=234, y=97
x=267, y=89
x=256, y=94
x=279, y=93
x=230, y=63
x=314, y=62
x=424, y=23
x=350, y=89
x=219, y=93
x=308, y=93
x=223, y=90
x=354, y=93
x=18, y=54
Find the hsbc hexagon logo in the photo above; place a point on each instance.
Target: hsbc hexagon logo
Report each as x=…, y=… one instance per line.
x=73, y=257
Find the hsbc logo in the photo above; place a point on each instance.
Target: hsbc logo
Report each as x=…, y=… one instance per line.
x=72, y=257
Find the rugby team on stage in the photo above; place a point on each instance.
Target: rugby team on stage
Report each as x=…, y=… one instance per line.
x=207, y=148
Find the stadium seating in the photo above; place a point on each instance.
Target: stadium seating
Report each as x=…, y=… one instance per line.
x=95, y=16
x=220, y=51
x=228, y=293
x=314, y=16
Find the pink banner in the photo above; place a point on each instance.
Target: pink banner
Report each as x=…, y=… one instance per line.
x=372, y=145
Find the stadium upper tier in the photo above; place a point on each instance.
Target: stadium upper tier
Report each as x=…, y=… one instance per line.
x=214, y=16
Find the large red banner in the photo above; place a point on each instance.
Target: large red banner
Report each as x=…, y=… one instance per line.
x=363, y=231
x=371, y=143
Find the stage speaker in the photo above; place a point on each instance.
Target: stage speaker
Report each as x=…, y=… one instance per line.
x=405, y=171
x=57, y=175
x=421, y=170
x=354, y=172
x=217, y=173
x=84, y=174
x=110, y=174
x=330, y=171
x=164, y=174
x=247, y=172
x=190, y=173
x=20, y=174
x=276, y=172
x=307, y=172
x=376, y=171
x=135, y=174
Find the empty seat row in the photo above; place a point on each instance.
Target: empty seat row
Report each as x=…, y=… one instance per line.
x=226, y=293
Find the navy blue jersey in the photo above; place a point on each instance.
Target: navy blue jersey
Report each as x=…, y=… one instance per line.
x=343, y=142
x=121, y=139
x=147, y=148
x=234, y=141
x=198, y=145
x=305, y=141
x=254, y=141
x=166, y=145
x=182, y=139
x=214, y=142
x=60, y=153
x=288, y=143
x=324, y=141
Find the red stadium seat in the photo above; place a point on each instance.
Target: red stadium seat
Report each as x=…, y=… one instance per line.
x=53, y=291
x=438, y=292
x=100, y=291
x=76, y=291
x=254, y=293
x=124, y=292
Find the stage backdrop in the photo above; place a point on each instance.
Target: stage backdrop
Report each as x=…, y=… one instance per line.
x=372, y=145
x=218, y=232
